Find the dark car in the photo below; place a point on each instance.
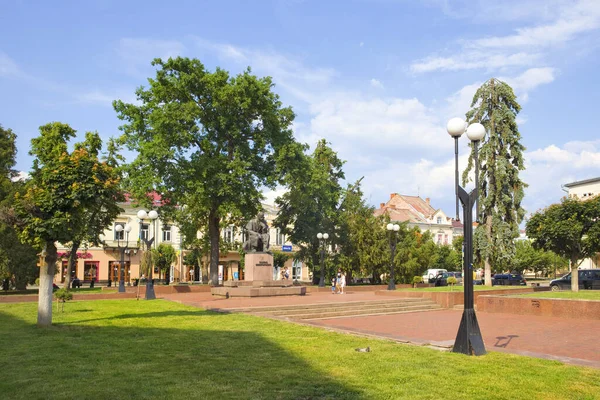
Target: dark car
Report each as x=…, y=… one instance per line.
x=508, y=280
x=442, y=279
x=588, y=279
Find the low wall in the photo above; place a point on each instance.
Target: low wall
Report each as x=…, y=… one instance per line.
x=161, y=290
x=76, y=296
x=456, y=298
x=562, y=308
x=348, y=289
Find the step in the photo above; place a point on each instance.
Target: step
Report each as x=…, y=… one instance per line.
x=325, y=305
x=314, y=316
x=343, y=307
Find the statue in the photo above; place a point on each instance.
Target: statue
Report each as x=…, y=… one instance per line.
x=258, y=234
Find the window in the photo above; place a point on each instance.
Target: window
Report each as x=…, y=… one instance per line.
x=279, y=238
x=439, y=220
x=119, y=235
x=144, y=231
x=166, y=233
x=439, y=238
x=228, y=234
x=445, y=239
x=90, y=271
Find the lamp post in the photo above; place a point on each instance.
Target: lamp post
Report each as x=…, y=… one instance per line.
x=120, y=228
x=468, y=339
x=142, y=215
x=393, y=230
x=322, y=242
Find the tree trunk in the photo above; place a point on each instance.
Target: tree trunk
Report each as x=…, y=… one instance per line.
x=71, y=263
x=574, y=275
x=46, y=279
x=213, y=233
x=488, y=267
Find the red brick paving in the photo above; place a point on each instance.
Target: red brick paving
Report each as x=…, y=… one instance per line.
x=567, y=340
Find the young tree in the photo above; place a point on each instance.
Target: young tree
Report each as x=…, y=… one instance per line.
x=570, y=229
x=164, y=256
x=500, y=161
x=63, y=185
x=311, y=203
x=206, y=138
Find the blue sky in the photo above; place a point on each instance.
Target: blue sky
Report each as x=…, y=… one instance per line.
x=377, y=78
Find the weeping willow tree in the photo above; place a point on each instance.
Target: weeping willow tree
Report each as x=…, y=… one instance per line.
x=500, y=162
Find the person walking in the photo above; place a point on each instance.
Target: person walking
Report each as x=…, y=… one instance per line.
x=341, y=281
x=333, y=285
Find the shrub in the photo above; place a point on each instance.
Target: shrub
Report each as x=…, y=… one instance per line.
x=62, y=295
x=451, y=281
x=417, y=279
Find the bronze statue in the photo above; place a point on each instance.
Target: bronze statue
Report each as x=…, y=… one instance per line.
x=258, y=234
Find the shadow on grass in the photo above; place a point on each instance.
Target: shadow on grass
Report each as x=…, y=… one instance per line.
x=153, y=314
x=117, y=361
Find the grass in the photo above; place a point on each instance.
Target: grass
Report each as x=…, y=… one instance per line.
x=127, y=349
x=459, y=288
x=35, y=291
x=581, y=295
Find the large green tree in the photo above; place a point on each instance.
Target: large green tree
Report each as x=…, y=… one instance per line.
x=63, y=185
x=18, y=261
x=570, y=229
x=500, y=162
x=539, y=260
x=163, y=257
x=206, y=138
x=312, y=201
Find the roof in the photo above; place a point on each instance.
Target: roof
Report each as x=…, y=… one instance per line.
x=408, y=208
x=584, y=182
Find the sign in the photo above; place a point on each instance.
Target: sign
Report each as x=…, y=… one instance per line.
x=286, y=247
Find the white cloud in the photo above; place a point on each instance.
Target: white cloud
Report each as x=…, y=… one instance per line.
x=376, y=84
x=101, y=97
x=271, y=195
x=526, y=47
x=138, y=53
x=361, y=44
x=7, y=65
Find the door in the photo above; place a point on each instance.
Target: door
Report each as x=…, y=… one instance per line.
x=114, y=271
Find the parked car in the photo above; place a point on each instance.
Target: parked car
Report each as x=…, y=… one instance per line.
x=508, y=280
x=442, y=278
x=431, y=274
x=588, y=279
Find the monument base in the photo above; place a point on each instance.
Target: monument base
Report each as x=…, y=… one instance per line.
x=258, y=281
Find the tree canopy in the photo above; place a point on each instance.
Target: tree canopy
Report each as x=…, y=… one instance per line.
x=63, y=187
x=207, y=139
x=570, y=229
x=500, y=161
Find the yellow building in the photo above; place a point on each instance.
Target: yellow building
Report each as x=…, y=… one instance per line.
x=102, y=264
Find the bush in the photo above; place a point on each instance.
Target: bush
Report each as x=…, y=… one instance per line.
x=37, y=281
x=451, y=280
x=417, y=279
x=62, y=295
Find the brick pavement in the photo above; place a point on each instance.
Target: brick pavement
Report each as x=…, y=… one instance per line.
x=567, y=340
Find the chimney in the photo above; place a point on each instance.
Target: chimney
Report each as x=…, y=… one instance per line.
x=382, y=205
x=427, y=200
x=392, y=195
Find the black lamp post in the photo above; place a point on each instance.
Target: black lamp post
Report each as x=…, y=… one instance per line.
x=393, y=229
x=468, y=339
x=120, y=228
x=322, y=242
x=142, y=215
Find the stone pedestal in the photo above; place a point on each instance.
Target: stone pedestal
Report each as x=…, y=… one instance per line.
x=258, y=281
x=258, y=267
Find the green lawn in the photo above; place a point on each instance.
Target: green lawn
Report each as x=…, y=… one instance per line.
x=127, y=349
x=459, y=288
x=34, y=292
x=581, y=295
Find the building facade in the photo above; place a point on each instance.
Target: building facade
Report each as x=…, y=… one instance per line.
x=102, y=264
x=418, y=212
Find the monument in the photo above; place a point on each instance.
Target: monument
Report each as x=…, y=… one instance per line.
x=258, y=267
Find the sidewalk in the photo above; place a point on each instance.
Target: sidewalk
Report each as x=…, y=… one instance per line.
x=568, y=340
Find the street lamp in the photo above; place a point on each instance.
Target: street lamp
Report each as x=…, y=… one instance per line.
x=120, y=228
x=393, y=229
x=153, y=215
x=322, y=242
x=468, y=339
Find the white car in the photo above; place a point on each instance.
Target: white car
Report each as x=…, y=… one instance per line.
x=430, y=274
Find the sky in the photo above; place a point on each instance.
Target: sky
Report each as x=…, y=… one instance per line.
x=378, y=79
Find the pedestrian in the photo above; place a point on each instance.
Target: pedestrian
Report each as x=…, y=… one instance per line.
x=333, y=285
x=286, y=273
x=341, y=281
